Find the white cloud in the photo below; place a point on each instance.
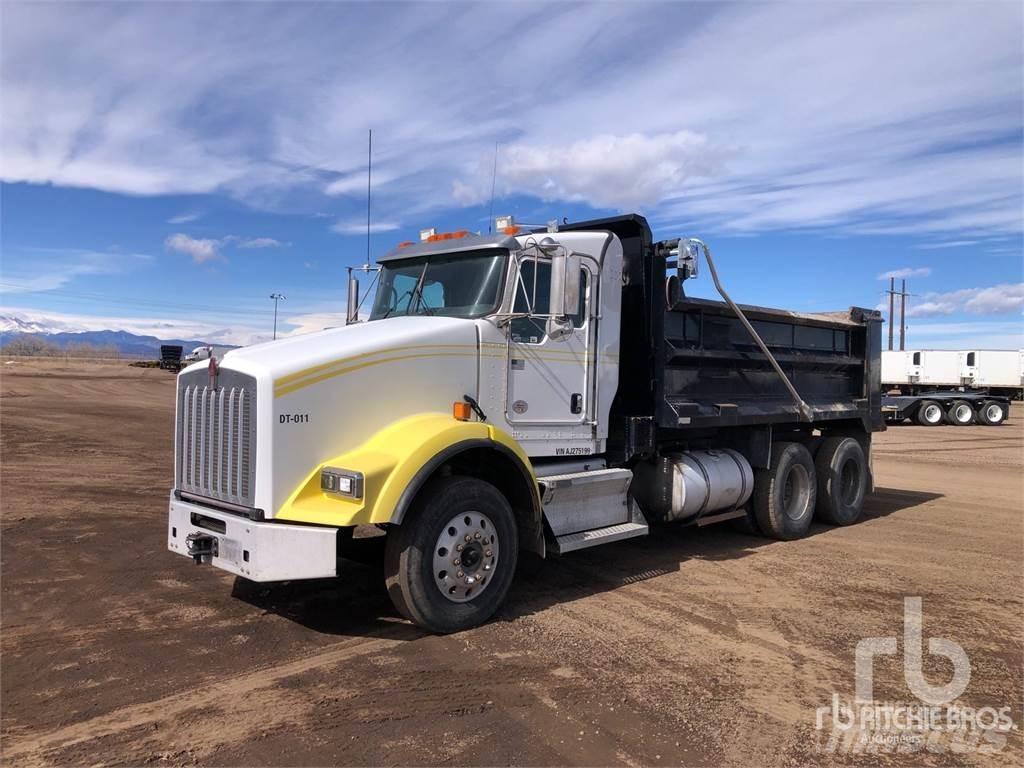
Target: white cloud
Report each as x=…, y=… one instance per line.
x=207, y=249
x=996, y=299
x=906, y=272
x=200, y=249
x=829, y=129
x=356, y=227
x=609, y=171
x=355, y=183
x=35, y=270
x=184, y=218
x=942, y=246
x=261, y=242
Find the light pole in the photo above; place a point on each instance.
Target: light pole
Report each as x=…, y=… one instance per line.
x=276, y=297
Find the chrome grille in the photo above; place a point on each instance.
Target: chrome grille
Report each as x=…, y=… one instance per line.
x=215, y=441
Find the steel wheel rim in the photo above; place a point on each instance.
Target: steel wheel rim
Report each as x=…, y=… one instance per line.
x=962, y=413
x=796, y=491
x=994, y=412
x=465, y=556
x=932, y=414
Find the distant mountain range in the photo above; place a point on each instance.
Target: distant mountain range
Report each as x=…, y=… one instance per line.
x=12, y=327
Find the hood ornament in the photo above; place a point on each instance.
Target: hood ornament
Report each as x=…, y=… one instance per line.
x=213, y=370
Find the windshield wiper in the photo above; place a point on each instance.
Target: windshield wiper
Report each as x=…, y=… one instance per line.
x=411, y=293
x=415, y=295
x=418, y=292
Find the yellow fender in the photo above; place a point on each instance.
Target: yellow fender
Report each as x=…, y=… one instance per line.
x=389, y=462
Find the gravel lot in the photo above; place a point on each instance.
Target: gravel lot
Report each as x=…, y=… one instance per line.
x=691, y=646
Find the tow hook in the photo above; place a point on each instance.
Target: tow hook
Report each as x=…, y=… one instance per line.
x=202, y=547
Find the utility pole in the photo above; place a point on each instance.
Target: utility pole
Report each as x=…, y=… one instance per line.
x=903, y=312
x=893, y=293
x=276, y=297
x=892, y=314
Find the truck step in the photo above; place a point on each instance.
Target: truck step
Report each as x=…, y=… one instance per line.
x=586, y=501
x=597, y=536
x=587, y=477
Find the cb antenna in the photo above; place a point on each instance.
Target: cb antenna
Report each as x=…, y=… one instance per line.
x=494, y=178
x=369, y=176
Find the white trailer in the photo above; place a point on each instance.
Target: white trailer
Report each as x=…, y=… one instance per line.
x=896, y=368
x=994, y=371
x=935, y=368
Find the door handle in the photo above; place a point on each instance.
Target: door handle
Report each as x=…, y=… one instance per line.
x=576, y=403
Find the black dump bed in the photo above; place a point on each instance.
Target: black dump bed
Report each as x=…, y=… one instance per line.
x=714, y=374
x=691, y=365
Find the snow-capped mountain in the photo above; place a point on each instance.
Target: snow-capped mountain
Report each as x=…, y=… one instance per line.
x=15, y=324
x=63, y=335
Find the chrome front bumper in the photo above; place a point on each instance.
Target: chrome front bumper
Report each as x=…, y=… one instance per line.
x=258, y=551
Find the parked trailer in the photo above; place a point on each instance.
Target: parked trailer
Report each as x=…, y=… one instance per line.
x=531, y=390
x=913, y=372
x=998, y=371
x=956, y=407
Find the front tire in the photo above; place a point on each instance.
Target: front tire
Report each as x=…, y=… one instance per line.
x=842, y=481
x=449, y=565
x=960, y=413
x=929, y=414
x=784, y=494
x=992, y=414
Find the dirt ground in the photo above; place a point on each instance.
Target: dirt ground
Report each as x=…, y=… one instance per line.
x=692, y=646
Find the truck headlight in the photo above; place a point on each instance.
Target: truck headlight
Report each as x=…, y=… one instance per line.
x=342, y=482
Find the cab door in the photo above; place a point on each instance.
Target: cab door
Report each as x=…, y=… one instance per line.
x=550, y=380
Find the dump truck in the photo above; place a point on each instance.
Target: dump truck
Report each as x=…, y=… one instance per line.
x=538, y=390
x=170, y=357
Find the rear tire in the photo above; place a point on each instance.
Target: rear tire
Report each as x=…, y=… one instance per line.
x=960, y=413
x=433, y=584
x=784, y=494
x=842, y=481
x=929, y=414
x=992, y=414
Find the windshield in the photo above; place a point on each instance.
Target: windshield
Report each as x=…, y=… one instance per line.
x=466, y=284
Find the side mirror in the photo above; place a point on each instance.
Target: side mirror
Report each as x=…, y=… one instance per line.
x=565, y=283
x=558, y=328
x=686, y=261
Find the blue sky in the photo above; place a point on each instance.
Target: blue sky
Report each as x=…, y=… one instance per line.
x=165, y=167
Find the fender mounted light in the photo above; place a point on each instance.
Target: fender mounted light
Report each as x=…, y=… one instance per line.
x=342, y=482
